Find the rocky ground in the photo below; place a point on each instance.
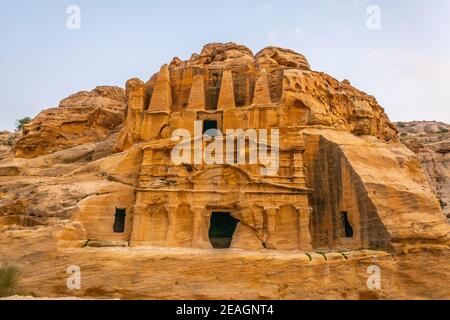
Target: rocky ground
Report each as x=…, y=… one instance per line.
x=430, y=141
x=148, y=273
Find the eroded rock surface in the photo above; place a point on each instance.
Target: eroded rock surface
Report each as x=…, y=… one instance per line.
x=313, y=98
x=7, y=141
x=430, y=141
x=81, y=118
x=92, y=182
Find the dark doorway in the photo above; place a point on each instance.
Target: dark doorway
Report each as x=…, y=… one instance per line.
x=221, y=229
x=210, y=127
x=119, y=221
x=347, y=227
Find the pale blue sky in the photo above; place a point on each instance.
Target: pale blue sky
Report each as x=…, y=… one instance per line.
x=406, y=64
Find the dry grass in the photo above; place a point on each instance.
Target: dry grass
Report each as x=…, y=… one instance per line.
x=9, y=279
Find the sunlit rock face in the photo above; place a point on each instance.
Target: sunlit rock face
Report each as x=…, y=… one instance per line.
x=99, y=172
x=81, y=118
x=337, y=146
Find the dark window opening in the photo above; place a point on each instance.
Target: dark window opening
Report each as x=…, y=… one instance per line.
x=347, y=227
x=210, y=127
x=221, y=229
x=213, y=90
x=119, y=221
x=215, y=80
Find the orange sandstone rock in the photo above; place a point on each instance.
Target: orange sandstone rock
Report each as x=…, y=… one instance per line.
x=98, y=171
x=81, y=118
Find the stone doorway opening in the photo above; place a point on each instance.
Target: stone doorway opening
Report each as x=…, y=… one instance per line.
x=221, y=230
x=119, y=220
x=346, y=225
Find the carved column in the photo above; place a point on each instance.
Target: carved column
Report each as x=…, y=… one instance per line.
x=271, y=212
x=298, y=167
x=139, y=234
x=171, y=210
x=201, y=220
x=304, y=234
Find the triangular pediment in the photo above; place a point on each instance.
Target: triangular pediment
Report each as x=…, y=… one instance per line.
x=221, y=177
x=227, y=178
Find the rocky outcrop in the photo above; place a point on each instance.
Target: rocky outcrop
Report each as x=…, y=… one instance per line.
x=430, y=141
x=232, y=54
x=221, y=54
x=97, y=173
x=154, y=273
x=319, y=99
x=7, y=142
x=48, y=189
x=81, y=118
x=273, y=58
x=311, y=98
x=381, y=187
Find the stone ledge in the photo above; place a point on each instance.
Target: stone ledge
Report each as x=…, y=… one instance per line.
x=306, y=257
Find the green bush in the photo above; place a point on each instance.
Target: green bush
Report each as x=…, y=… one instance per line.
x=20, y=123
x=9, y=279
x=443, y=204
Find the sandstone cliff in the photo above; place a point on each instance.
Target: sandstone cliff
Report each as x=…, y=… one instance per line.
x=7, y=141
x=430, y=141
x=313, y=98
x=76, y=164
x=81, y=118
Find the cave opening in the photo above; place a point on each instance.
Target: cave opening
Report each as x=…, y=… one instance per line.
x=346, y=225
x=119, y=221
x=221, y=230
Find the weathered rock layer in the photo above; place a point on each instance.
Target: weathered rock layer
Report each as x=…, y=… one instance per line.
x=81, y=118
x=98, y=172
x=430, y=141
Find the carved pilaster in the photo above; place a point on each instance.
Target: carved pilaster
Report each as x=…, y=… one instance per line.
x=139, y=236
x=304, y=234
x=201, y=221
x=271, y=212
x=171, y=210
x=298, y=167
